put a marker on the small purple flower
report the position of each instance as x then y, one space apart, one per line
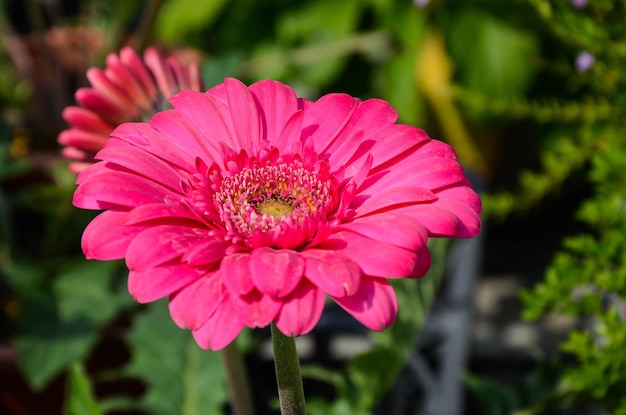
579 4
584 61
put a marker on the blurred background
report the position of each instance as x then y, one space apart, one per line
526 319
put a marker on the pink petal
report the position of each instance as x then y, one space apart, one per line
236 274
192 142
86 140
154 283
256 309
387 199
301 310
374 304
279 103
399 230
370 116
468 220
193 305
94 170
116 188
73 153
434 149
326 118
423 264
437 220
144 136
165 214
276 272
465 204
430 173
160 244
358 173
245 115
112 92
106 237
121 75
388 143
374 257
143 164
86 120
291 132
162 73
208 115
220 329
97 102
205 252
134 63
332 272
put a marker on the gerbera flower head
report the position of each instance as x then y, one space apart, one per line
249 205
128 89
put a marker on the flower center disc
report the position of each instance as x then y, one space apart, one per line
274 199
275 207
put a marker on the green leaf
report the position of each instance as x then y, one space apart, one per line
88 289
372 374
47 343
340 406
323 23
498 60
414 300
528 395
215 69
495 398
180 17
181 378
59 327
398 75
80 399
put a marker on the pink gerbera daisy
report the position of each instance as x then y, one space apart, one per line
128 89
249 205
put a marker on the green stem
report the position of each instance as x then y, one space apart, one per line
147 22
237 381
290 389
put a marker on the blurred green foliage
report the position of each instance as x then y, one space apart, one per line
479 74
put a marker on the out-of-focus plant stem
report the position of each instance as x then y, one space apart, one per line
433 76
368 43
237 380
147 23
56 96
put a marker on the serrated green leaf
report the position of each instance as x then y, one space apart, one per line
80 399
181 378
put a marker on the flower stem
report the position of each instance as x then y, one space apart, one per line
147 22
237 381
290 389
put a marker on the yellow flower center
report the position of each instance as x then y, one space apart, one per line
277 207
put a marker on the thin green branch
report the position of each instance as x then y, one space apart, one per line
368 43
